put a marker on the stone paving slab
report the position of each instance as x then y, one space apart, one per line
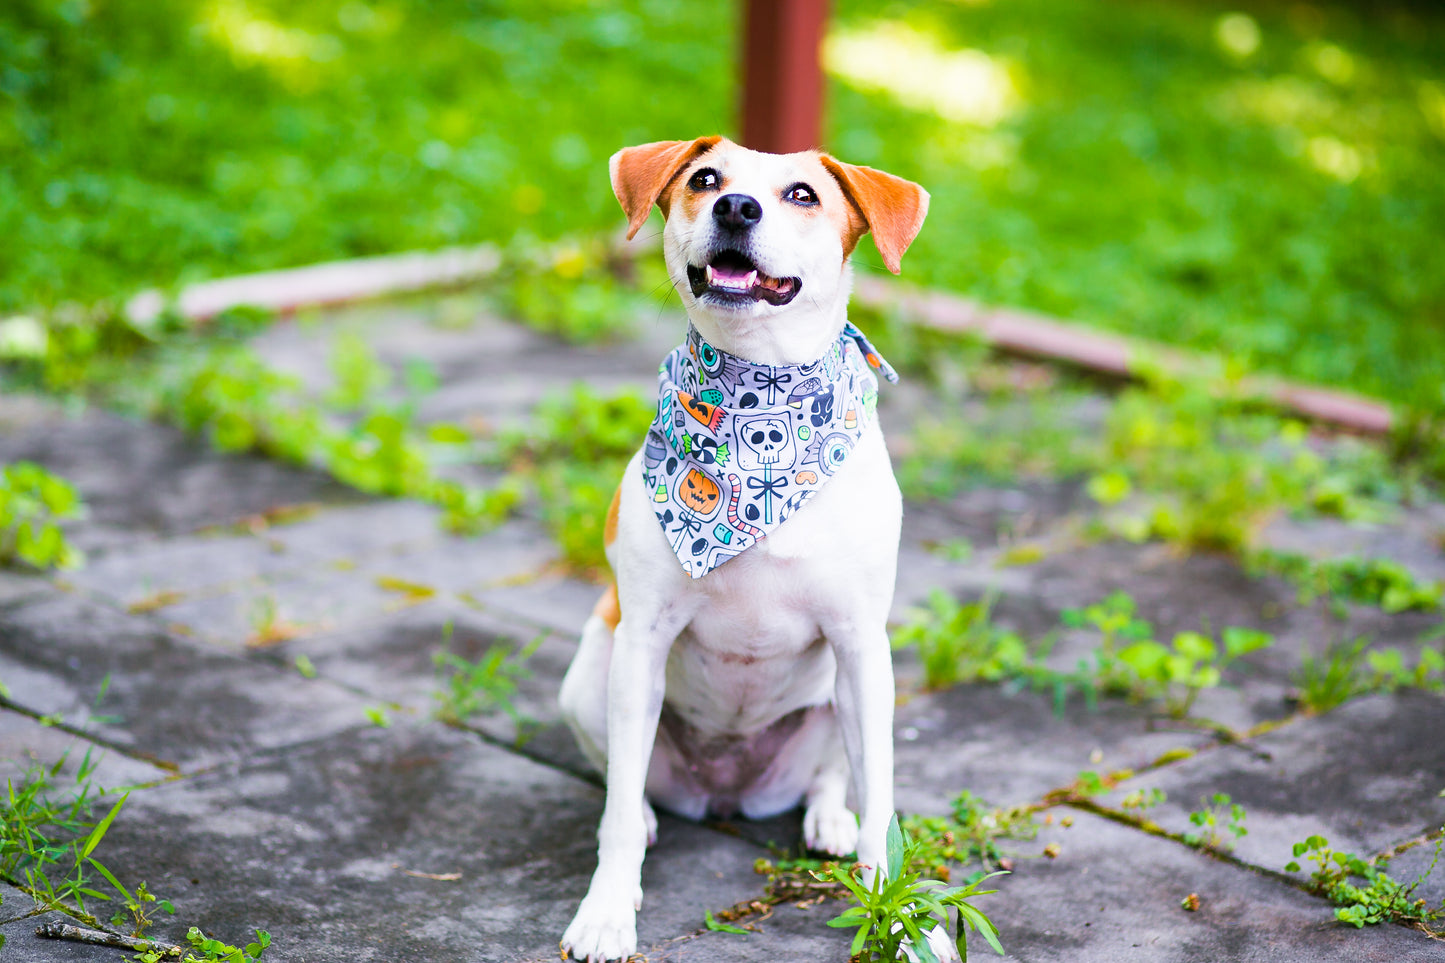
140 478
1366 776
14 904
168 699
25 742
315 846
485 366
1114 895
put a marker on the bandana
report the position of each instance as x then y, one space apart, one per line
736 447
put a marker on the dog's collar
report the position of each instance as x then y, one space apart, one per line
736 447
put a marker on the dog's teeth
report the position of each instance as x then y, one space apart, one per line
750 280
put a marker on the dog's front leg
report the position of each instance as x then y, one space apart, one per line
605 927
864 695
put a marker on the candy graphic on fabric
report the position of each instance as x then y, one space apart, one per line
706 449
785 429
710 415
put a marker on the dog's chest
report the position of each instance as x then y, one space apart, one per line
756 646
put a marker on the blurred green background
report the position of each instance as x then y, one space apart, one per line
1260 179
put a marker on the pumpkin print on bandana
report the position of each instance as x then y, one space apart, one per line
737 447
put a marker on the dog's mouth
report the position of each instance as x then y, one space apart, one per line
731 277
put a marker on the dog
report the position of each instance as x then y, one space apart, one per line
740 660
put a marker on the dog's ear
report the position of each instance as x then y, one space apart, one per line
891 207
641 174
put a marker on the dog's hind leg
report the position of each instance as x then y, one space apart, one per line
583 701
812 768
583 696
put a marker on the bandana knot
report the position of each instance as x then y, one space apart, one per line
736 447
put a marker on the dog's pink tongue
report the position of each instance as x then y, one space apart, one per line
731 277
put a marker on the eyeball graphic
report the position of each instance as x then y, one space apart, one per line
711 361
833 451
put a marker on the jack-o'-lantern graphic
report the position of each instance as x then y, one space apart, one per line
699 494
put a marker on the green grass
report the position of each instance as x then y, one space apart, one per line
1282 206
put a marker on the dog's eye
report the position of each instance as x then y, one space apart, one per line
802 194
705 179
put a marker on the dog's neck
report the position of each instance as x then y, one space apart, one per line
800 335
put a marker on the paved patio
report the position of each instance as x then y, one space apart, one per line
273 800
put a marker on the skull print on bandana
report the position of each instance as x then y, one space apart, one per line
736 447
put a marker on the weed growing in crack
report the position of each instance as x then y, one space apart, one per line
486 685
48 838
32 504
1368 581
894 915
1218 815
957 642
971 832
1381 900
1345 671
209 950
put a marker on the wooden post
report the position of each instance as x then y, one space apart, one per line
783 74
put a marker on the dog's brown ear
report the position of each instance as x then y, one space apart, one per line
641 174
891 207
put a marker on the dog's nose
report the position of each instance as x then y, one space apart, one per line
737 212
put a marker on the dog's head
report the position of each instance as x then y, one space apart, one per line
757 245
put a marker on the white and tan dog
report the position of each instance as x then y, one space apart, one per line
771 675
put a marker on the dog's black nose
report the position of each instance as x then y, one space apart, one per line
737 212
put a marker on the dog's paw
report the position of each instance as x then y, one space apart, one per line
830 829
649 818
605 927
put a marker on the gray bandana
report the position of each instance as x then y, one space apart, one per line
736 447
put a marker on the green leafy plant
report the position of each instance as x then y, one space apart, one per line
958 642
1369 581
1217 816
1381 900
1146 669
972 831
32 503
357 373
575 452
1115 618
899 908
488 684
714 926
49 836
1192 662
210 950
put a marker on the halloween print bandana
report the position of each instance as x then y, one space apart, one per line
736 447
